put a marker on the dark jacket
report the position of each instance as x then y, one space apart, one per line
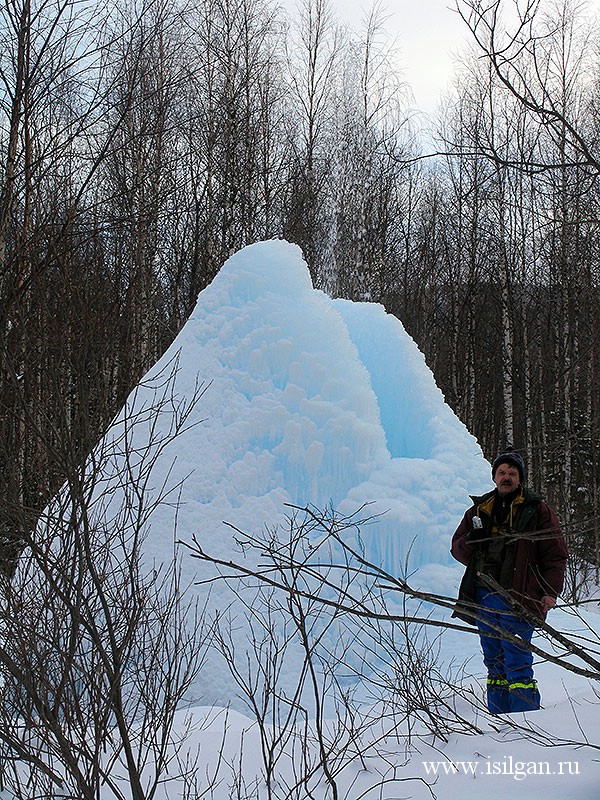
535 548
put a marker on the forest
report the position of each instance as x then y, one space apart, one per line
142 143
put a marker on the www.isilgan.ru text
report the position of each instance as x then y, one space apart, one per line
508 767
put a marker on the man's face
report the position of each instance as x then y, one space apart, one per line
506 478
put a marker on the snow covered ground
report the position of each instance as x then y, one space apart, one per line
314 401
524 757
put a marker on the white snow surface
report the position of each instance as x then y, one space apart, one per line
311 400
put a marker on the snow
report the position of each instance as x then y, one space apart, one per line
315 401
501 762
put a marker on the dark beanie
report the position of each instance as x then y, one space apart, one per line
510 457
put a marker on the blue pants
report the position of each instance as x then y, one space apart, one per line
510 683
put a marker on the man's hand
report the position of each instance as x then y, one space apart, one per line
547 603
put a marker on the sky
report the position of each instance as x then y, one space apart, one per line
430 34
309 400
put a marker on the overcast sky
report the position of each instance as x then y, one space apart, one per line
429 33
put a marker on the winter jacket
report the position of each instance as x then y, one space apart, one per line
535 553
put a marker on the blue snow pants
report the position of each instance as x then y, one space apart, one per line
510 683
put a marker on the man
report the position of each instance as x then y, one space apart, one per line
515 554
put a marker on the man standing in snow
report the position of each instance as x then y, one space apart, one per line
515 557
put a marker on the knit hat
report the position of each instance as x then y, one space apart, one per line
511 457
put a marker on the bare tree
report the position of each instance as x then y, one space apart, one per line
314 56
99 644
510 47
373 145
